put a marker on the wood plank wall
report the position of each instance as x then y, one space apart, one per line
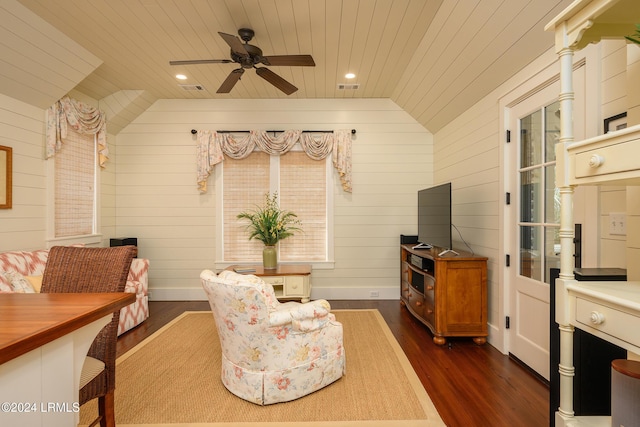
157 199
612 250
467 154
22 128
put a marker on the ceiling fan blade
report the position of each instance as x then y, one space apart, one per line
291 60
230 81
200 61
234 43
276 80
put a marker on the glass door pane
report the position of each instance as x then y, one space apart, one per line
530 252
531 140
539 200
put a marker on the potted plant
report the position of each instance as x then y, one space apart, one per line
633 39
270 224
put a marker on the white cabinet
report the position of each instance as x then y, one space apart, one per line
289 281
290 287
609 310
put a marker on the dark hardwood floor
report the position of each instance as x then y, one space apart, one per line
470 385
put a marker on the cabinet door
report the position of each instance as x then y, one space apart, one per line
294 286
462 286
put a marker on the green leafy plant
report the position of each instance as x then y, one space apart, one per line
270 224
637 34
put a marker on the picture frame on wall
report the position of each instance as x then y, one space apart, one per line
6 176
617 122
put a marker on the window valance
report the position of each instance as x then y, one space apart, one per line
212 146
82 118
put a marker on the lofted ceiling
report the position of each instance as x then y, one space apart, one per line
434 58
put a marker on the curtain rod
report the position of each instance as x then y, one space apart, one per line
194 131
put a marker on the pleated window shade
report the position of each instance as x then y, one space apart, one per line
75 166
301 189
245 183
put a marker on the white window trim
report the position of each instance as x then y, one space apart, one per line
94 238
221 264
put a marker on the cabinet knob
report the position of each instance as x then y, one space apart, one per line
418 303
596 160
430 287
597 318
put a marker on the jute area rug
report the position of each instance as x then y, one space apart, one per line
173 379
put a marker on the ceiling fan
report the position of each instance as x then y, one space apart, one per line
248 56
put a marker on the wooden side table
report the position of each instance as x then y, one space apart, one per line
289 281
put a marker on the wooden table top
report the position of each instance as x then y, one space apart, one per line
281 270
29 321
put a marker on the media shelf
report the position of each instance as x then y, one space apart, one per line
446 293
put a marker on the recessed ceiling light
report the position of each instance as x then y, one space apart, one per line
181 77
349 75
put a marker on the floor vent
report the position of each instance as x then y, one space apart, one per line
192 87
346 86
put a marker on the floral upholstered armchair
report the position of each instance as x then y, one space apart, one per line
271 351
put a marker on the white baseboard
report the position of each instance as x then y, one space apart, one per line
197 294
496 338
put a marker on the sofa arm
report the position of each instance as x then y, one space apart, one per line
139 273
303 317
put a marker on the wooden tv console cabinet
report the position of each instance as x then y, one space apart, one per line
447 293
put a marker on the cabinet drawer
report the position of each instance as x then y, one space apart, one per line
416 301
429 299
607 160
610 321
274 280
404 290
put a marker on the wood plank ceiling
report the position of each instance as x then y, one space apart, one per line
434 58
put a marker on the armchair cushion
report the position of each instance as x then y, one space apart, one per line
272 352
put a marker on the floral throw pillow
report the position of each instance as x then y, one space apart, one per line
18 282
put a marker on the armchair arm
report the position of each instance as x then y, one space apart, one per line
302 317
139 272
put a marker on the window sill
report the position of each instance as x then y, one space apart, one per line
87 240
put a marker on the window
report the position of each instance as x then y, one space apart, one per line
75 186
302 185
539 198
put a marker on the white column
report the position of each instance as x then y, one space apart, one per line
566 368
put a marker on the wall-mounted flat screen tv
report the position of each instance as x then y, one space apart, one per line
434 217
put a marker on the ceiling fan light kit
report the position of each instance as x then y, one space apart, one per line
248 56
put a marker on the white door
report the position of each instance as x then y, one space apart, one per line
535 209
